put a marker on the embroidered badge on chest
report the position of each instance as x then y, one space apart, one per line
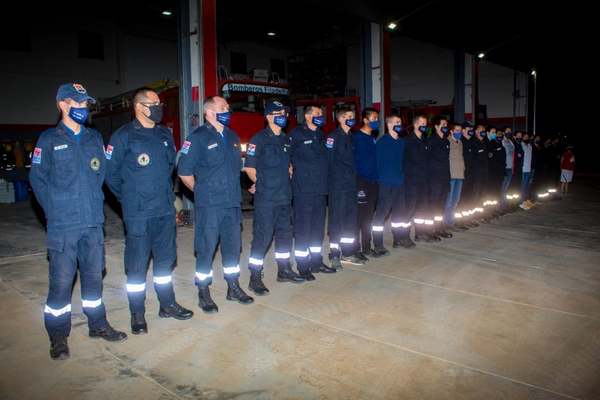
95 164
143 159
251 149
329 143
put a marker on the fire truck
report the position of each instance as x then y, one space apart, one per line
247 99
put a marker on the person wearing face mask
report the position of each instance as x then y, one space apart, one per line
496 166
518 169
439 173
509 149
268 166
527 168
452 219
467 203
342 191
390 166
67 173
209 165
365 158
140 161
539 184
308 158
416 156
480 173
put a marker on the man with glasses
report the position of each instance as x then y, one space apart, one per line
140 162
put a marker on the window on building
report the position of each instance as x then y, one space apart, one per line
90 45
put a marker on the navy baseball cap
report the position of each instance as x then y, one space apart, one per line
274 106
73 91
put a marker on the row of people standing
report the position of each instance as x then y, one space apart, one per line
300 179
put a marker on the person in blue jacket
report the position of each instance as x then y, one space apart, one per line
67 173
390 172
140 162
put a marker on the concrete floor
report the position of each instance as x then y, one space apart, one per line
509 310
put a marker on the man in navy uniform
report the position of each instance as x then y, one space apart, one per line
343 219
416 157
268 166
439 173
309 189
140 162
67 174
210 165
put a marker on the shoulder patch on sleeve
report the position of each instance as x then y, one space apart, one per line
108 152
186 147
37 156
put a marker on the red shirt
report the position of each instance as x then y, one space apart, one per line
567 161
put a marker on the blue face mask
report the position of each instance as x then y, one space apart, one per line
318 121
280 121
350 123
224 118
79 114
374 125
445 130
423 129
492 136
398 128
471 132
457 135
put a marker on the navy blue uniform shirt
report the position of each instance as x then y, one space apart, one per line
215 160
140 163
416 157
309 160
439 157
268 153
390 160
365 156
340 154
67 176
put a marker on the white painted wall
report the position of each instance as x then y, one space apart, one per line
422 71
257 56
30 80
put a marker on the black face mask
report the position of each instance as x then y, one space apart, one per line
156 113
518 140
526 141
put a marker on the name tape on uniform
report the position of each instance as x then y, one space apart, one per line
307 141
212 146
61 147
